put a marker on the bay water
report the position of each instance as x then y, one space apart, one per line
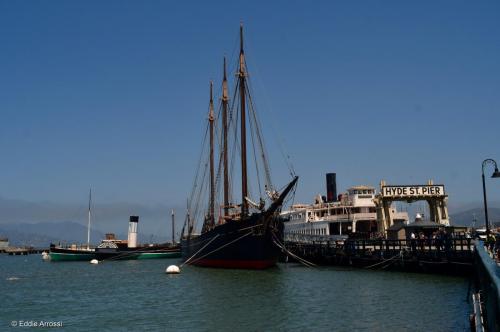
140 296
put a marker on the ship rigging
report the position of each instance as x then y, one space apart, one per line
226 223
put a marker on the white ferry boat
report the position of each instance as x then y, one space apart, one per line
352 213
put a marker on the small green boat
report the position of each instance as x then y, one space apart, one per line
57 254
114 249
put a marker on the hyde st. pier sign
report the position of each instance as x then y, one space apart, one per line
413 191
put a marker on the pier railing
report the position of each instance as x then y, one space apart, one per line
449 255
487 274
449 244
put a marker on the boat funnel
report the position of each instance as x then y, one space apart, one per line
331 187
132 231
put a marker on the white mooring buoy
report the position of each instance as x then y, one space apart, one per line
173 269
45 256
94 261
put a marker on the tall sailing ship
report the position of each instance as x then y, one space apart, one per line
246 235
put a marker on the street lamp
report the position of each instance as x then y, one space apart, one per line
496 174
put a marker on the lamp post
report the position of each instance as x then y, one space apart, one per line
496 174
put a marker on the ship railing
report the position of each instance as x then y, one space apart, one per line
461 244
318 239
74 246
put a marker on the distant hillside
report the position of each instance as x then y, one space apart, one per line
22 239
43 233
465 218
154 219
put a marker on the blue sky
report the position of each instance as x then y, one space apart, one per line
114 94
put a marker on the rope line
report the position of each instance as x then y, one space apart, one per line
215 250
196 253
300 259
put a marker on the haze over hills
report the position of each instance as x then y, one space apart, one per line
466 218
67 232
43 233
40 223
108 217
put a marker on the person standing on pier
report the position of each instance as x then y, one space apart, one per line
497 249
490 242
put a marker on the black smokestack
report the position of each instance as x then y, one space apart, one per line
331 187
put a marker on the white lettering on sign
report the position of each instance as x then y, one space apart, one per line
412 191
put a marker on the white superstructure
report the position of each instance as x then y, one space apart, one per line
353 212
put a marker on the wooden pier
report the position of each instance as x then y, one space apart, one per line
23 251
450 256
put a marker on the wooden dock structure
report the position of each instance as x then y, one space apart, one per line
14 251
451 256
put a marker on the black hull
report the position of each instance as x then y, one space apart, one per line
246 244
250 243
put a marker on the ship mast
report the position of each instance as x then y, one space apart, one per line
242 80
88 225
225 100
211 119
173 227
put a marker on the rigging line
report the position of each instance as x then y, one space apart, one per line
196 214
384 261
219 175
258 126
220 159
279 138
299 259
255 155
222 247
234 118
196 253
282 246
250 227
202 152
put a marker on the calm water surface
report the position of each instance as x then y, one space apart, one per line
139 296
